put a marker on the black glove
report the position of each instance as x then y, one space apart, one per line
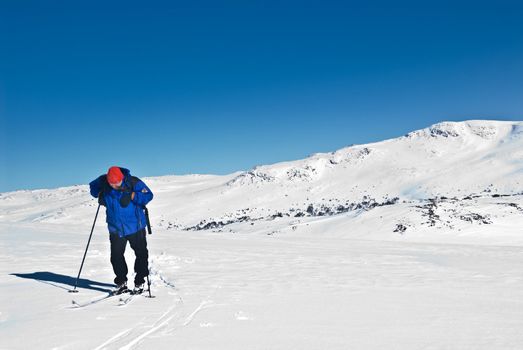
125 199
101 199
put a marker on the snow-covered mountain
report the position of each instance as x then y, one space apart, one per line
409 243
451 163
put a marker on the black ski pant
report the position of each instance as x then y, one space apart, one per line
138 243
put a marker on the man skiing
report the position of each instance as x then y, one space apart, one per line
124 197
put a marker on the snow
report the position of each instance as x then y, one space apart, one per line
408 243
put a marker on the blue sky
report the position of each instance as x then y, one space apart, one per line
219 86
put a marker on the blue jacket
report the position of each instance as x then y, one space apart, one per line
123 220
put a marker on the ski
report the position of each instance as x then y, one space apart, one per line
126 300
109 295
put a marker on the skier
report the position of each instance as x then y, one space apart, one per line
124 197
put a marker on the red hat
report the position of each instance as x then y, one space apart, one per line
114 175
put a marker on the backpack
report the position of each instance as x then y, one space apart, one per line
134 181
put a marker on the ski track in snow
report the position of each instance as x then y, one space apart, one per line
162 321
170 316
113 339
133 336
203 305
174 315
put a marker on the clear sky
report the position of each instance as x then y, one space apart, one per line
180 87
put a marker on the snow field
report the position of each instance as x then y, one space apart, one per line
410 243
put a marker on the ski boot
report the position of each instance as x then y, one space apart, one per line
138 288
121 288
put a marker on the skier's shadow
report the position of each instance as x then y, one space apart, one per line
57 280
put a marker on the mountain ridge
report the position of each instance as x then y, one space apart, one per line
452 160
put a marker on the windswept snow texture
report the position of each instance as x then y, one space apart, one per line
409 243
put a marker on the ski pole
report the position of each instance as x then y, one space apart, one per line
86 248
147 220
149 287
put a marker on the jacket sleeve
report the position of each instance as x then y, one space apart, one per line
96 186
142 194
